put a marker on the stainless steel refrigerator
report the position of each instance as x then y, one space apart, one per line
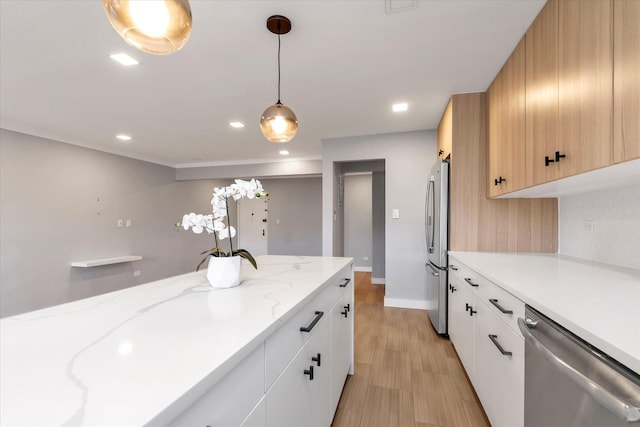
437 239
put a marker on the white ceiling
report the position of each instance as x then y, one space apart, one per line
343 64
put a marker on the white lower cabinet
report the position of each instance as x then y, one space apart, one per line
295 377
485 335
341 344
300 396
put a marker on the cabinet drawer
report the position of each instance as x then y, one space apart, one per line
504 305
282 346
229 401
470 278
499 378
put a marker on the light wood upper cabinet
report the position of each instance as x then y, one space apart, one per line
626 80
541 78
445 129
507 126
585 91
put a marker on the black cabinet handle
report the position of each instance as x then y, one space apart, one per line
494 340
309 372
472 311
499 307
466 306
319 314
346 282
440 153
317 359
560 156
452 288
547 160
345 313
468 280
348 307
453 267
500 180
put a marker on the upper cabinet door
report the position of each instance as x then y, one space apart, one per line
445 133
507 126
585 72
542 95
626 80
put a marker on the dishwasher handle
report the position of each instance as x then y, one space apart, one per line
625 410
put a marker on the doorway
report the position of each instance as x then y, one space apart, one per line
253 225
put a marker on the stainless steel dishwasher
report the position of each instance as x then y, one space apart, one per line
570 383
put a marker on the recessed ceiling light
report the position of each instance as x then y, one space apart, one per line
400 107
124 59
236 124
284 152
123 137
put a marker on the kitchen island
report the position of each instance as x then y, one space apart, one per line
146 354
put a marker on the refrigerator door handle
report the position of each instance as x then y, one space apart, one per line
430 208
433 270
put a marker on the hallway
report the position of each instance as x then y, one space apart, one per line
405 374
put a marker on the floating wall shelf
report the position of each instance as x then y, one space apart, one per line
106 261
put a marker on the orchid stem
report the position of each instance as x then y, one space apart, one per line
226 201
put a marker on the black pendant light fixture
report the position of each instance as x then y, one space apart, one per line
160 27
278 122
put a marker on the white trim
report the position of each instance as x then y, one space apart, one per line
377 281
363 269
357 173
406 303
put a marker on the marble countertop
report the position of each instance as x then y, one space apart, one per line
598 302
135 356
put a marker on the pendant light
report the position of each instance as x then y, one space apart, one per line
159 27
278 123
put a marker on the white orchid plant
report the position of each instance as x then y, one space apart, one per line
214 223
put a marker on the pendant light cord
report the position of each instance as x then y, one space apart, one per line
279 67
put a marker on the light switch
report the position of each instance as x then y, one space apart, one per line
395 213
120 223
128 223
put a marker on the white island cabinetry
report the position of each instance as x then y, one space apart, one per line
178 352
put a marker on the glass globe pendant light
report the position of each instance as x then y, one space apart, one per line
278 122
159 27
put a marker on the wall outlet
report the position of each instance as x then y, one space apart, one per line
588 225
365 258
120 223
136 273
128 223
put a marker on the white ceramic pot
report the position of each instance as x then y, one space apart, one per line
224 272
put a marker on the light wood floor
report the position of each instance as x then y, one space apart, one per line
405 374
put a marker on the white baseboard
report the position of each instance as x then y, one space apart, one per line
364 269
377 281
406 303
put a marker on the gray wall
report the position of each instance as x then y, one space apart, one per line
357 219
377 227
408 157
273 169
296 203
615 215
60 203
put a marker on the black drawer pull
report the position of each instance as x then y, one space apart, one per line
547 161
319 314
468 280
472 311
494 340
317 359
345 313
346 282
466 306
452 288
454 268
559 156
348 307
499 307
309 372
499 181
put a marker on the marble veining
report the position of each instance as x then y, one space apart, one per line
132 357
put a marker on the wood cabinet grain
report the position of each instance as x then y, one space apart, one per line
476 222
626 80
507 128
541 84
585 85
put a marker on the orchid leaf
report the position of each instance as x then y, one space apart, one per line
201 262
246 255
